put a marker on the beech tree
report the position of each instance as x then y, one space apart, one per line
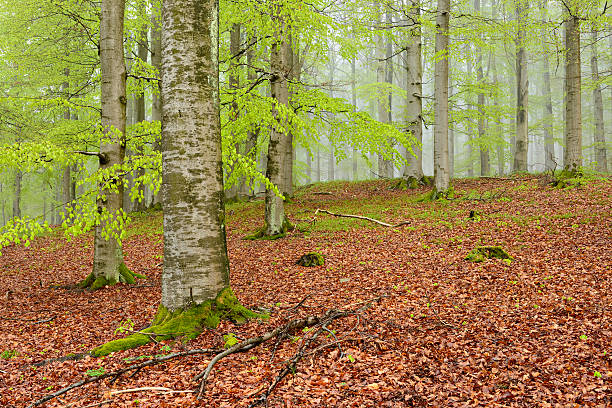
572 158
522 90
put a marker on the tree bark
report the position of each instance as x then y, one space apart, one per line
234 85
139 117
288 159
250 148
547 114
469 128
196 266
156 108
485 166
17 194
522 91
108 256
441 173
275 210
354 100
573 108
599 137
414 92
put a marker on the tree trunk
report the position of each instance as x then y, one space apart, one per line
354 100
470 108
288 159
140 116
573 110
250 149
196 267
318 164
156 105
17 194
485 166
441 173
108 256
383 108
599 137
331 162
414 92
522 91
234 85
275 210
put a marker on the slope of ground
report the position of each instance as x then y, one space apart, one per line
533 331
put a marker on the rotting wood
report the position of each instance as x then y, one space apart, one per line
360 217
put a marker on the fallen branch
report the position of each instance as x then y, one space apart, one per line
116 374
163 390
360 217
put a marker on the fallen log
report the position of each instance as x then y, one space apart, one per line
360 217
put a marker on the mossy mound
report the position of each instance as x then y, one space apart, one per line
435 195
260 233
569 178
479 254
311 259
186 324
91 282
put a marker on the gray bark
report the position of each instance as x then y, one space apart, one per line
196 266
414 92
289 151
140 116
354 100
573 110
108 255
156 108
17 194
485 166
250 149
441 170
522 91
234 85
599 137
275 210
470 107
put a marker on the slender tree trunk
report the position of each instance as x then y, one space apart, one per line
451 128
573 109
17 194
234 85
599 137
441 171
470 107
332 161
318 164
156 108
275 211
140 116
381 77
414 92
354 100
547 112
522 91
485 166
250 149
196 266
108 256
289 151
3 204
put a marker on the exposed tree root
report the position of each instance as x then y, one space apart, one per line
92 282
360 217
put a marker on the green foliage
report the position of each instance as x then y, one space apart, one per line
230 340
8 354
481 253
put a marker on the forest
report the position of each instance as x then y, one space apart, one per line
386 203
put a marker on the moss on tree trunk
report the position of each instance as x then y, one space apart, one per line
93 282
186 324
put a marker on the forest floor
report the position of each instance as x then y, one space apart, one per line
533 331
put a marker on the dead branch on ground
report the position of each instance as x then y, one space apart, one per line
360 217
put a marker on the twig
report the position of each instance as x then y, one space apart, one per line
116 374
95 404
163 390
360 217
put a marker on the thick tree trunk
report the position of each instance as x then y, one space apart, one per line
414 92
522 91
573 108
441 173
275 210
196 267
156 108
108 256
17 194
599 137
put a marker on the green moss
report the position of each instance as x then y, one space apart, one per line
479 254
260 233
185 324
99 283
85 283
311 259
125 275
